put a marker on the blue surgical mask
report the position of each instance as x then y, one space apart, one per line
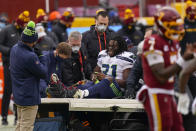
2 25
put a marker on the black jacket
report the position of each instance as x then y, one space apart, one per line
134 35
53 36
90 43
72 73
9 36
135 74
190 34
45 43
61 32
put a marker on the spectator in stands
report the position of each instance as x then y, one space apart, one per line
114 17
189 25
97 38
42 18
54 61
26 69
75 68
128 28
3 20
9 37
44 43
60 29
54 17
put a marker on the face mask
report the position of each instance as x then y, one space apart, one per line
75 49
2 25
101 28
175 37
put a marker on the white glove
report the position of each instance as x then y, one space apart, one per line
183 103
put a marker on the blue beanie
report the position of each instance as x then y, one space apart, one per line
29 34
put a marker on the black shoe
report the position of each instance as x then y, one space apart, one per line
4 122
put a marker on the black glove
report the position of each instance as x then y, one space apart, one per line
130 93
37 51
56 88
55 92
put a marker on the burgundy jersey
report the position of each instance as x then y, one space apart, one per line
158 50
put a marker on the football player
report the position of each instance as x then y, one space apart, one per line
111 72
158 60
110 75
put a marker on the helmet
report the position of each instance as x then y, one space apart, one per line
169 23
191 12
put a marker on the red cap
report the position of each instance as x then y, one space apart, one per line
67 16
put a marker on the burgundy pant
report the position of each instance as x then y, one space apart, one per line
162 113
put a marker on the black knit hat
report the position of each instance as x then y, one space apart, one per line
29 34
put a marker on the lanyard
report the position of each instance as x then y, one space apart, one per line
80 59
100 40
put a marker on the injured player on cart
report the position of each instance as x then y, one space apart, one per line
113 67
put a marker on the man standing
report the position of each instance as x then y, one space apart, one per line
158 58
97 38
42 18
9 37
60 29
26 69
75 68
129 30
189 38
